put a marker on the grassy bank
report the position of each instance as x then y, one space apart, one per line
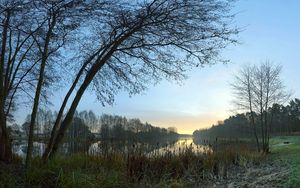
186 169
286 149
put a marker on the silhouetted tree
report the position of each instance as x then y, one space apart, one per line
121 44
256 90
243 87
60 19
149 40
294 113
17 61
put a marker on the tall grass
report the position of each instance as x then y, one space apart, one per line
181 168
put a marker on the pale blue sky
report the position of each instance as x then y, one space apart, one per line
271 31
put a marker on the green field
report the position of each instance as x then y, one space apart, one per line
286 149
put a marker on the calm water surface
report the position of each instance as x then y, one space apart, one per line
99 147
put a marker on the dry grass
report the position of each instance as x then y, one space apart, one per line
136 169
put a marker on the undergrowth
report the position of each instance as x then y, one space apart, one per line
182 169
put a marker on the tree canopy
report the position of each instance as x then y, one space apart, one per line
105 46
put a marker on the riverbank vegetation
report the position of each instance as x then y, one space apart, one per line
233 163
184 168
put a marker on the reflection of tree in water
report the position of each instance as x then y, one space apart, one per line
69 147
113 139
129 146
111 146
20 148
77 140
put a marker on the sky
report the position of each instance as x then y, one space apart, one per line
270 31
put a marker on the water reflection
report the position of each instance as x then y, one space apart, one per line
20 148
106 147
180 146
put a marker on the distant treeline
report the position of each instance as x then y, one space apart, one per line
117 127
86 124
284 119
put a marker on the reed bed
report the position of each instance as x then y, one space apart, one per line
185 166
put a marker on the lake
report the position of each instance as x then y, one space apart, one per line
101 147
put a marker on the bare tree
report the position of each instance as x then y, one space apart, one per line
121 45
17 62
268 90
257 89
139 43
61 19
244 99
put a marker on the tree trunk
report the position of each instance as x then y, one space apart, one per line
38 92
99 62
69 116
262 120
251 109
5 145
61 110
254 130
34 114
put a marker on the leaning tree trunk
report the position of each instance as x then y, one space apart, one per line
70 114
99 62
61 110
69 117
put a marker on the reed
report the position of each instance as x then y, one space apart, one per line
172 168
